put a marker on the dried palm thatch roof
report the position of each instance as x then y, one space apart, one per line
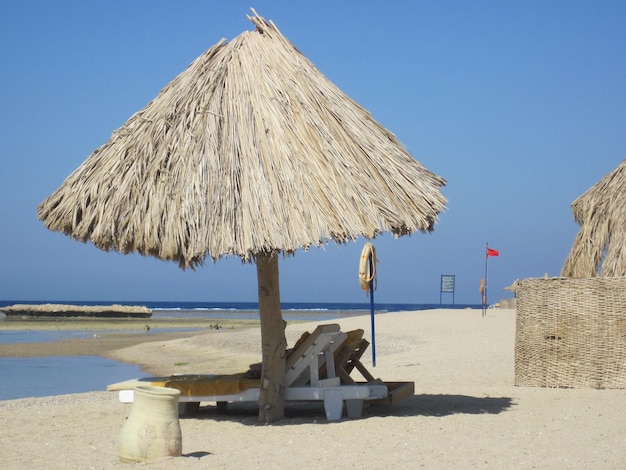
249 150
598 249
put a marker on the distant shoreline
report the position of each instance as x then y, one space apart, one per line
119 324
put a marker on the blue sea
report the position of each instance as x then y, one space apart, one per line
45 376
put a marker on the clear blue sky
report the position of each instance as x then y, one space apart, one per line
521 106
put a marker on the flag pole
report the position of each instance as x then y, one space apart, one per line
486 279
488 252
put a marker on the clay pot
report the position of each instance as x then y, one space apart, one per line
152 430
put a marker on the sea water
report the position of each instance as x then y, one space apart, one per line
25 377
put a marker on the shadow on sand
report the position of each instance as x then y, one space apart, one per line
416 405
444 405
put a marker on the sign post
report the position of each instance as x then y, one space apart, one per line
447 286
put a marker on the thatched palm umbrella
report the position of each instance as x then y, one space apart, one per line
599 247
250 152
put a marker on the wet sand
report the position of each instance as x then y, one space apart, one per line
106 336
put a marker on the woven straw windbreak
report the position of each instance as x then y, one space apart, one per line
571 333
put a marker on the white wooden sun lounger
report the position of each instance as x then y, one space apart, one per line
302 380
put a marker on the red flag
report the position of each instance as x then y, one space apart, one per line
491 252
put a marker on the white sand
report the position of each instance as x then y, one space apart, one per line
465 413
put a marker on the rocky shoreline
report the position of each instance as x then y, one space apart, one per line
21 311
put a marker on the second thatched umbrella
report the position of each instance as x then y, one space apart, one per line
598 249
250 152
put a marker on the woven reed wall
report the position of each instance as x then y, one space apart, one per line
571 333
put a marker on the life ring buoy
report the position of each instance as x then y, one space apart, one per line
365 274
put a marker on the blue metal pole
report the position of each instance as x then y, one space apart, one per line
372 311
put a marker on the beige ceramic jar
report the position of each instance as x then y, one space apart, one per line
152 430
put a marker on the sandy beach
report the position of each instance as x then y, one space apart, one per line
465 413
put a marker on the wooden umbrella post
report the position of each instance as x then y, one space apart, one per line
274 344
